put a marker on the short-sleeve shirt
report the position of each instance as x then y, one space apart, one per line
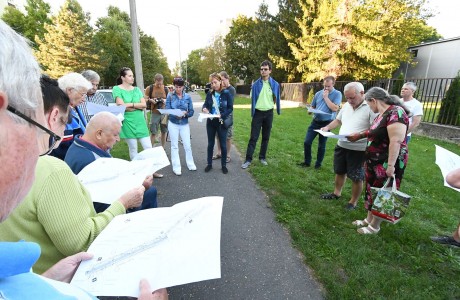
134 125
416 108
265 101
318 102
355 120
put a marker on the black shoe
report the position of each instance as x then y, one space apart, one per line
208 168
350 206
445 240
303 165
317 167
224 170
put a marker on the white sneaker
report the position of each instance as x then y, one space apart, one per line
246 165
192 168
264 162
178 172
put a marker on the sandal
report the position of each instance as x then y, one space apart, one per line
157 175
329 196
368 230
228 159
360 223
217 156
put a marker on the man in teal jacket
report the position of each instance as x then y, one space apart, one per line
265 93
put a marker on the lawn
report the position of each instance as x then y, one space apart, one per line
400 262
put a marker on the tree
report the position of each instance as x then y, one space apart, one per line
194 65
153 60
31 25
213 58
356 39
67 45
449 114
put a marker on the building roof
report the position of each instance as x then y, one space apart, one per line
435 42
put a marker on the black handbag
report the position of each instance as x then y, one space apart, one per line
228 121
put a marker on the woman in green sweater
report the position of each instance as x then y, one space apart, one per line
58 212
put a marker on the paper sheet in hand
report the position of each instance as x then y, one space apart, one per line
203 116
107 179
167 246
316 111
116 110
447 161
331 134
175 112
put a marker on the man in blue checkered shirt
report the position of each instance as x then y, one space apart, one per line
93 95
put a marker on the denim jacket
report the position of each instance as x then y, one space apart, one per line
184 104
225 106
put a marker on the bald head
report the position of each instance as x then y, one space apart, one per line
103 130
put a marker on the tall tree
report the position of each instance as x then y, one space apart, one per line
194 65
356 39
32 24
213 58
153 60
66 46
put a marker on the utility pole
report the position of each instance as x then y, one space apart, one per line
136 46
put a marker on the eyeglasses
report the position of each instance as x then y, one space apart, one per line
82 94
54 138
264 69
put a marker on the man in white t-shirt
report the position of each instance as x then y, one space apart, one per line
355 116
415 107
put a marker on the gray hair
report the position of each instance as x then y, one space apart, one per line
157 76
380 94
357 86
224 74
411 85
74 81
91 75
20 73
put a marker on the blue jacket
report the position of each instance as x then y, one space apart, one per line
184 104
257 87
75 127
81 153
225 105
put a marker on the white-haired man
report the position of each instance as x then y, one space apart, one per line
414 106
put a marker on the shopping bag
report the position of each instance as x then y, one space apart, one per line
389 203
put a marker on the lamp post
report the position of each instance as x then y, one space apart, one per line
180 59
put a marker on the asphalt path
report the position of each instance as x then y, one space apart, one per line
257 258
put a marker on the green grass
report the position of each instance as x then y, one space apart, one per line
400 262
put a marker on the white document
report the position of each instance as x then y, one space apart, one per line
447 161
118 111
331 134
317 111
204 116
107 179
175 112
167 246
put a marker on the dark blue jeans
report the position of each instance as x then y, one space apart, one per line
261 120
311 135
212 127
149 201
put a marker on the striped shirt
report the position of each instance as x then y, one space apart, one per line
96 98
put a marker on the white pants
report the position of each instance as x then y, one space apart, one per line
184 132
132 145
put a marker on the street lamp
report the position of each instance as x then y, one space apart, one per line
180 59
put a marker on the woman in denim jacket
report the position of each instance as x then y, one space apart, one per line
178 99
218 102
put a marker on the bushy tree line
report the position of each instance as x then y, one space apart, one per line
309 39
66 42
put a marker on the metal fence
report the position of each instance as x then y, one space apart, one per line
430 93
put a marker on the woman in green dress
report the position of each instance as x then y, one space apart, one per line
134 125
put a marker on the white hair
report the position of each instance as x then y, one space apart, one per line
357 86
74 81
20 72
91 75
411 85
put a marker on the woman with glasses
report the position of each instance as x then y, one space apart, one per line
386 152
75 86
134 125
178 126
218 102
58 212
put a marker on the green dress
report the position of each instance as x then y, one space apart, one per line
134 125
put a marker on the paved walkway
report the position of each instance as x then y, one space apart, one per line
257 259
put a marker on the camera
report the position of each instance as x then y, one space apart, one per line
158 100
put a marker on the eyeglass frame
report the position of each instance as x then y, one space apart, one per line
53 135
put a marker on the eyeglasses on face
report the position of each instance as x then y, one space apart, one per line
54 138
81 94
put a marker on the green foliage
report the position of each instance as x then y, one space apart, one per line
32 24
311 95
354 39
449 114
153 60
397 85
67 45
194 64
400 262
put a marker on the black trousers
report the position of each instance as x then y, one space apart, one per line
261 120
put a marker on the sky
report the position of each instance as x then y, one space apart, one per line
200 20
